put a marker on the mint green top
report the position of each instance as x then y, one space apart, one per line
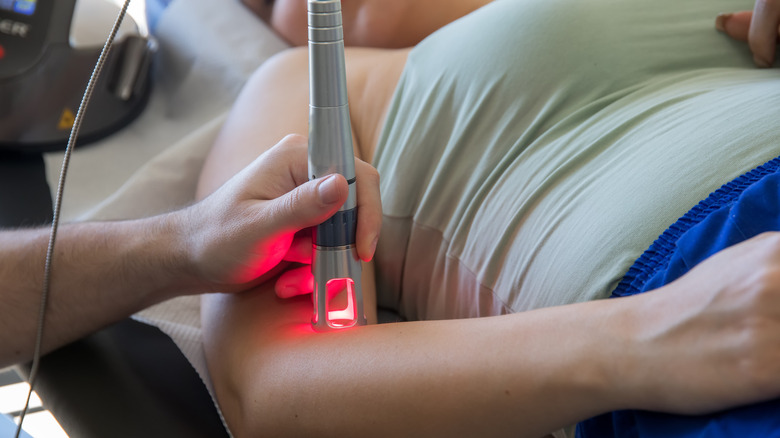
535 148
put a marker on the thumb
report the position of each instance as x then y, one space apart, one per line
310 203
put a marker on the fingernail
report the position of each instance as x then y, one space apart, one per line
761 62
372 249
720 21
328 190
373 246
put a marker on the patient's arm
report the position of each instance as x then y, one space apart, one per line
703 343
516 375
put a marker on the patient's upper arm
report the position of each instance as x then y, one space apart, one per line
274 103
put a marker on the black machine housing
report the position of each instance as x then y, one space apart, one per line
43 77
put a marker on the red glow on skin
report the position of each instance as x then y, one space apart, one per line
266 256
301 330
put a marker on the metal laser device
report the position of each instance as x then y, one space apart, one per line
338 298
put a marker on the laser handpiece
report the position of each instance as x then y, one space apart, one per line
338 298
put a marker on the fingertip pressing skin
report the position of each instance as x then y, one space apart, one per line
759 28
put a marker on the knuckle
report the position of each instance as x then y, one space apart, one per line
283 209
766 279
292 200
291 146
290 140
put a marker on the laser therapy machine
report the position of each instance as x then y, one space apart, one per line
47 50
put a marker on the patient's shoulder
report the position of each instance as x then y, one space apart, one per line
281 87
290 68
278 88
293 57
288 65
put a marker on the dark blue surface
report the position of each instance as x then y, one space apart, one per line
741 209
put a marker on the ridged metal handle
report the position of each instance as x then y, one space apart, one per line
335 262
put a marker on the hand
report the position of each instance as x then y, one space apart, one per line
239 235
759 27
711 339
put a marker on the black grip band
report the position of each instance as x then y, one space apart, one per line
339 230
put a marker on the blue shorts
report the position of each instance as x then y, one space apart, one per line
741 209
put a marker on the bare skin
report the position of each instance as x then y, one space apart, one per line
372 76
368 23
513 375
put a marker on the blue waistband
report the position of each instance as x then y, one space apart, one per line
657 256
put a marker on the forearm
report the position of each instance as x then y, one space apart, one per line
101 272
518 375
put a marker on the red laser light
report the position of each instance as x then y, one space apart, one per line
340 308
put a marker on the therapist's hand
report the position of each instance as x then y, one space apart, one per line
300 280
239 235
759 27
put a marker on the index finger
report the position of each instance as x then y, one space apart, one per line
762 37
